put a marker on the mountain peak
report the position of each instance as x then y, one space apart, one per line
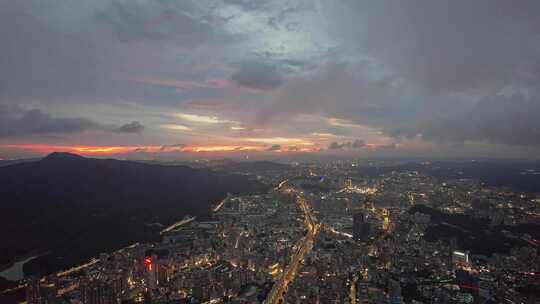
62 156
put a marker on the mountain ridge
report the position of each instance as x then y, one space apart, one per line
75 207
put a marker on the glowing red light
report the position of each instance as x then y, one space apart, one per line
148 261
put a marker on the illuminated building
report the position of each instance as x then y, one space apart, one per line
33 294
460 259
348 183
97 292
151 274
386 220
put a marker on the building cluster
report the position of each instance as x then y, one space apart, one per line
399 237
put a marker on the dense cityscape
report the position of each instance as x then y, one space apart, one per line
269 152
322 234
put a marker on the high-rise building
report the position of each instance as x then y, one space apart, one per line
95 291
460 259
360 227
394 291
33 292
348 183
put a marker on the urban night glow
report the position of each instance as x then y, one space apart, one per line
269 152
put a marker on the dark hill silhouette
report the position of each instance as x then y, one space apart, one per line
76 207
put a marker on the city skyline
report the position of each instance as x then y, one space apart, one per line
233 78
345 231
269 151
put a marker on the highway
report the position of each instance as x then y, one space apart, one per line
279 289
64 273
219 205
184 221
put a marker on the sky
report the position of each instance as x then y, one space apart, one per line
170 79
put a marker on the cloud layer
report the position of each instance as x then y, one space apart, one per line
132 127
257 75
17 122
411 77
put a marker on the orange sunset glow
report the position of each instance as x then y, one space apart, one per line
119 150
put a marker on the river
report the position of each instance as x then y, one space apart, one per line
15 272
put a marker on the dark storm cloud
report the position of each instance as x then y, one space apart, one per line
50 61
356 144
337 90
420 67
274 148
132 127
257 75
337 146
172 148
17 122
511 120
449 45
449 71
438 118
